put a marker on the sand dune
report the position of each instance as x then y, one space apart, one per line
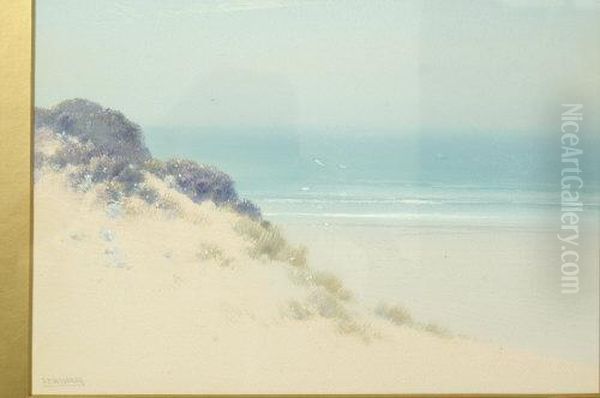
131 298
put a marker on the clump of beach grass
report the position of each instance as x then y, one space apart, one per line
396 314
321 303
267 241
354 327
297 310
332 284
435 329
211 252
400 316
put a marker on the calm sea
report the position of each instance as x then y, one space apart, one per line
419 178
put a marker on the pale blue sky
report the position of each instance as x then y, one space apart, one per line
375 66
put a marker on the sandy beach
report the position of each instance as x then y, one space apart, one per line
145 301
492 283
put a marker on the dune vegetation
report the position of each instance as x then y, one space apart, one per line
99 150
100 145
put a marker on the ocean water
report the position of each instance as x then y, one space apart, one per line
430 178
482 209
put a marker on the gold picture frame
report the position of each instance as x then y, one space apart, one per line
16 104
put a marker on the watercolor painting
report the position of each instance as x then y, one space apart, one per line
280 196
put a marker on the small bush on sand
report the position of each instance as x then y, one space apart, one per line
148 194
297 256
327 305
72 152
354 327
332 284
112 192
435 329
248 208
298 311
130 176
108 130
210 252
105 169
170 205
400 316
395 314
200 182
268 241
155 166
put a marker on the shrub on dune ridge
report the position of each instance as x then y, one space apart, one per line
72 152
197 181
109 130
105 147
200 182
101 143
244 206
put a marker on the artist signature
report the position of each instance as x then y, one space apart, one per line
65 381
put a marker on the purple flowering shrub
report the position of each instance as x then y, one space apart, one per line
104 146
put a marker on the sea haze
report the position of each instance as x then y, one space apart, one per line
384 178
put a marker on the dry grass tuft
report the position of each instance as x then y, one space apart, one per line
267 241
332 284
400 316
210 252
435 329
396 314
298 311
353 327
